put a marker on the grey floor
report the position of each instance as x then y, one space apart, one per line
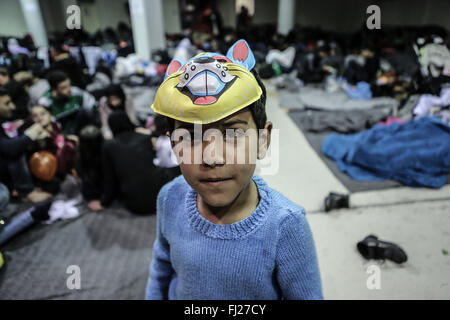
418 219
113 248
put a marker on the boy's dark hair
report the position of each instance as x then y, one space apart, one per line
257 108
161 125
55 78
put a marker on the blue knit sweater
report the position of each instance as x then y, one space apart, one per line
268 255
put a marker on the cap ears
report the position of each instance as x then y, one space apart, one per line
174 66
240 53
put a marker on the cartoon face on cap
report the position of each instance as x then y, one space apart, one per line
208 87
204 79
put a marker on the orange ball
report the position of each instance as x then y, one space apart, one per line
43 165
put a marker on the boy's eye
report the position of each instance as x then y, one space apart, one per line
234 133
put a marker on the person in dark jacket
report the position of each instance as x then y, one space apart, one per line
88 166
17 92
128 168
64 62
14 171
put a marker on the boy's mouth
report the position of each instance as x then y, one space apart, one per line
214 181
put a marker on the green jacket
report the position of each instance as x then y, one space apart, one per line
65 113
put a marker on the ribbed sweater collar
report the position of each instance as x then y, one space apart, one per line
230 231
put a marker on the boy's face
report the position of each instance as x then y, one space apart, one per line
217 182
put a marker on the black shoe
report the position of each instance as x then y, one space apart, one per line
40 211
336 201
373 248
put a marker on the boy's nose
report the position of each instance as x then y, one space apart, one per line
213 155
213 161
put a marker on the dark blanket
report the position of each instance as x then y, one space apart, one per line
416 153
339 121
316 139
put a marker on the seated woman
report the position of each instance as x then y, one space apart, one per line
63 149
114 100
54 142
129 171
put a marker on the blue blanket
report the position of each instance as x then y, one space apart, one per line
416 153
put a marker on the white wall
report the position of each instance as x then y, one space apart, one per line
350 15
52 11
172 19
111 12
227 9
342 15
416 12
12 22
266 11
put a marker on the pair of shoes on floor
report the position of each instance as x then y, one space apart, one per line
373 248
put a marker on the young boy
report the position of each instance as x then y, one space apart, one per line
222 232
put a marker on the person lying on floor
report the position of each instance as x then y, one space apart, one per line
129 170
20 221
14 170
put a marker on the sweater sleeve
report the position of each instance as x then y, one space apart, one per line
296 260
161 269
15 147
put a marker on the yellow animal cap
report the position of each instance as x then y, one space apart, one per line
209 87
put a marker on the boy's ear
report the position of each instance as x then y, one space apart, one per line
264 137
240 53
174 66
